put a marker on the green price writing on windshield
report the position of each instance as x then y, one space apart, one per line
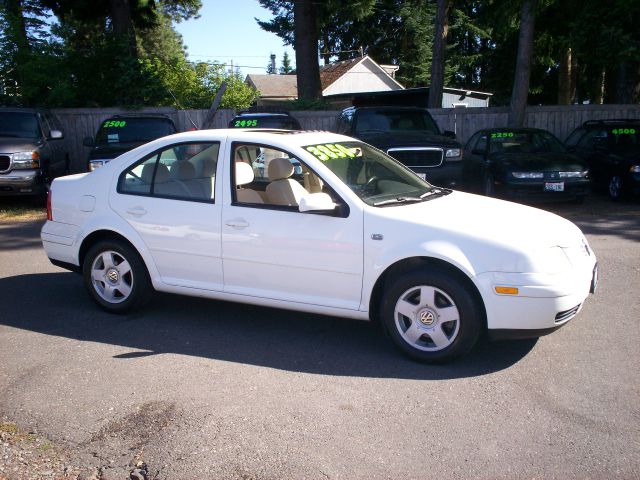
332 150
624 131
245 123
502 135
114 124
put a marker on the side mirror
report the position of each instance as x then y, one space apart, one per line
477 151
88 141
316 202
449 133
55 134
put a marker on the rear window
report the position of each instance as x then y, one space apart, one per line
133 130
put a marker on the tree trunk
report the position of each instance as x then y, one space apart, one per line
564 78
520 91
598 97
439 46
122 24
306 45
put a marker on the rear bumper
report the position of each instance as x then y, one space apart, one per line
22 182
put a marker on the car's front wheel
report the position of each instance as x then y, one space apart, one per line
116 276
616 188
431 315
489 188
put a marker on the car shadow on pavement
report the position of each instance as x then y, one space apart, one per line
20 235
57 304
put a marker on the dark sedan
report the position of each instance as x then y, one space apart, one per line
612 150
523 162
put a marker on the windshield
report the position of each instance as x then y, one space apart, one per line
265 122
19 125
395 121
133 130
372 175
524 142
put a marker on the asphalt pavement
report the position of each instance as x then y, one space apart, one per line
207 389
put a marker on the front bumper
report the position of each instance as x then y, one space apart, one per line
448 175
539 189
22 182
543 304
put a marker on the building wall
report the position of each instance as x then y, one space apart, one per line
449 99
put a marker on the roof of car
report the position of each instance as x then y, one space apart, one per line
264 114
255 135
20 109
142 115
519 129
611 121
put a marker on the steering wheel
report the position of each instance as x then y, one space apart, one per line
371 185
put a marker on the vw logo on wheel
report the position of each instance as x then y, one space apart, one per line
113 276
427 318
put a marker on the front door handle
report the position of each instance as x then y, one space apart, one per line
137 211
238 223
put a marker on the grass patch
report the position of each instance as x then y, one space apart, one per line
11 428
21 211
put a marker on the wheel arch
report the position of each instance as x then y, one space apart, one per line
98 236
415 263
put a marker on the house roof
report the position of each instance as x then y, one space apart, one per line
329 74
274 86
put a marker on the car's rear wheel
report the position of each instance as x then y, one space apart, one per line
116 276
431 315
616 188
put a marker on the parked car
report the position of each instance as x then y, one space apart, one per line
32 151
359 236
411 136
612 150
121 133
265 120
523 163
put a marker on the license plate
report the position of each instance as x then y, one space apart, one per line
594 280
423 176
554 187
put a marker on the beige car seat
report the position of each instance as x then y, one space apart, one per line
244 176
283 190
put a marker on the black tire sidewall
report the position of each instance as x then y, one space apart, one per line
471 323
141 289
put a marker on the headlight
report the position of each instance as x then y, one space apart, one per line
22 160
635 169
453 153
573 174
528 174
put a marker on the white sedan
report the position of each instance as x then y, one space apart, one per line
351 233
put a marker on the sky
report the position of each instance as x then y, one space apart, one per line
226 32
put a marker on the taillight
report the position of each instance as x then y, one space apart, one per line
49 211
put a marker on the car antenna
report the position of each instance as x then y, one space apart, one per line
195 127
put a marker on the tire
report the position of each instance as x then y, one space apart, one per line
488 187
615 188
116 277
431 315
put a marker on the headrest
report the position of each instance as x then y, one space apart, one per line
162 173
183 171
244 173
208 167
280 168
147 172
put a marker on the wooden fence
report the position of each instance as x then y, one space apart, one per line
78 123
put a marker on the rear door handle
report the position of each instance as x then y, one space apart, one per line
238 223
137 211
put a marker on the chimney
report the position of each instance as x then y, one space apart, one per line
273 63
